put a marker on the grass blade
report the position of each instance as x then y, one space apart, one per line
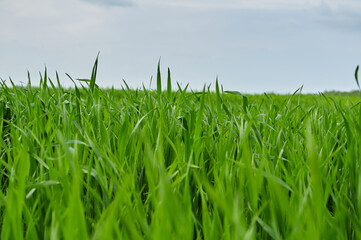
159 81
169 85
356 76
94 74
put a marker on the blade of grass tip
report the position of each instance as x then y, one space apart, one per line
150 82
45 77
301 88
94 74
298 90
186 87
12 83
60 88
217 88
268 97
29 81
209 87
245 103
41 79
234 92
179 88
69 78
356 76
219 99
83 80
52 84
57 80
126 85
169 85
159 81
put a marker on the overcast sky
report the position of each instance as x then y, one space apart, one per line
253 46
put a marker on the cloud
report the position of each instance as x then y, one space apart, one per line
118 3
257 4
241 4
344 17
45 23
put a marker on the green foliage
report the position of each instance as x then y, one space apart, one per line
87 163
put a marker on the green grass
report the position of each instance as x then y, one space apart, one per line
139 164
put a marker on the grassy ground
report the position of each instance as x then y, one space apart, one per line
138 164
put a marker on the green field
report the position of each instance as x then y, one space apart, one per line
140 164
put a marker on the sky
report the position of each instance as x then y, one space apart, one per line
252 46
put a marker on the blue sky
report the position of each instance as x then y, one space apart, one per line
253 46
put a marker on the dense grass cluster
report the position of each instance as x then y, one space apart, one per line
138 164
